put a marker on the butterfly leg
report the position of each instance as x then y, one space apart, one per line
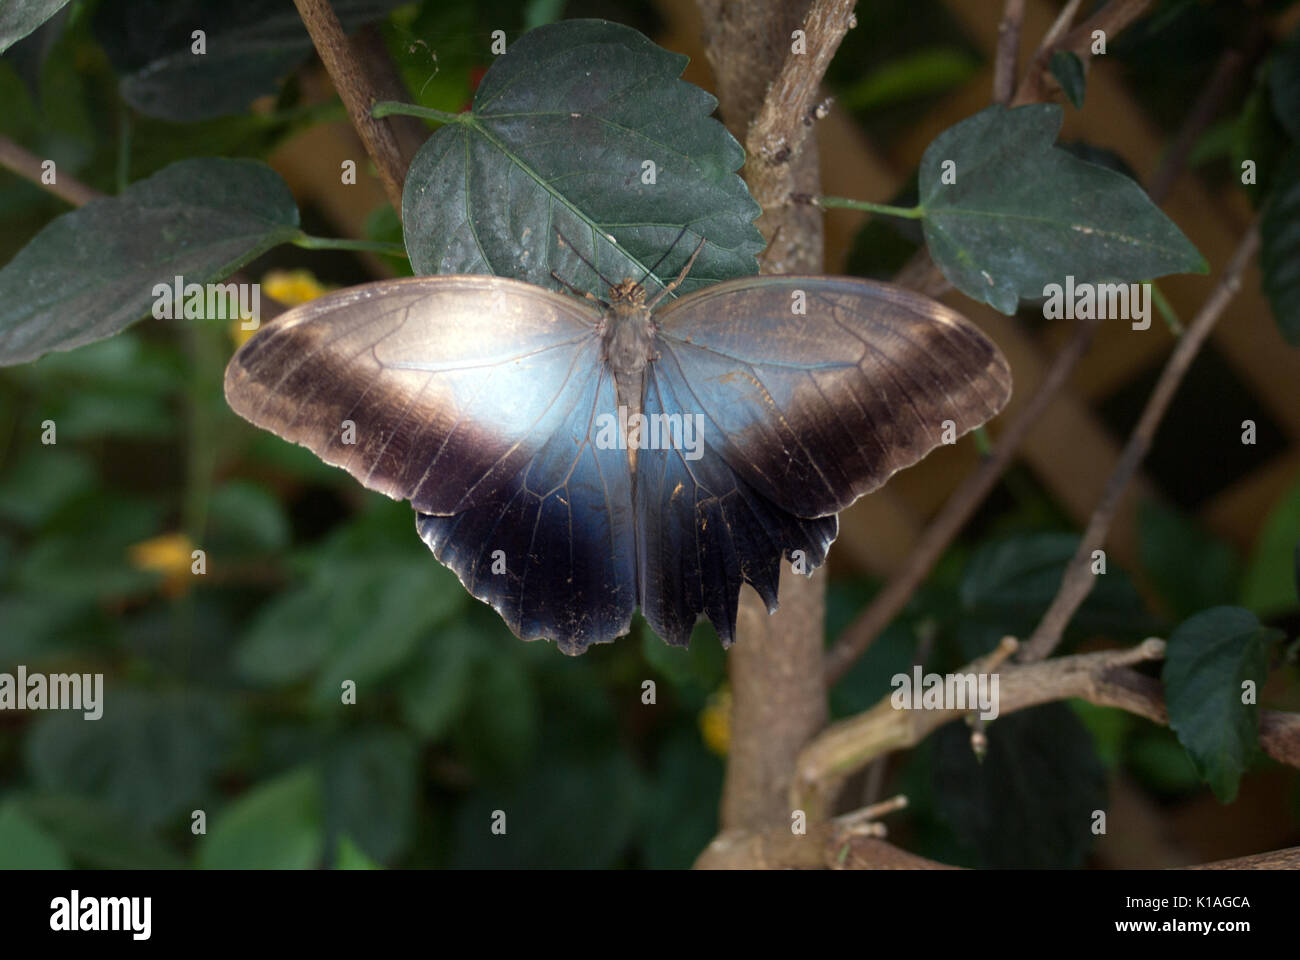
581 293
680 277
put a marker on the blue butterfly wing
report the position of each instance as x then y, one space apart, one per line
815 409
802 413
703 531
472 397
554 554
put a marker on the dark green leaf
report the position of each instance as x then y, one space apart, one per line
1009 583
914 75
1209 659
245 515
558 139
501 725
1279 253
348 856
1284 79
42 481
148 757
1067 68
435 689
1269 586
1023 214
681 808
359 613
24 845
1192 568
250 46
20 17
370 791
567 814
277 825
91 273
95 837
1030 803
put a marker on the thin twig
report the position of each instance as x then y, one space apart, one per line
1004 67
27 165
1110 20
354 85
891 600
1078 580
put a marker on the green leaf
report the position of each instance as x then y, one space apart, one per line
558 139
348 856
1010 581
1067 68
42 481
245 515
1030 803
681 805
435 689
1023 214
370 787
1279 253
1209 658
18 18
24 845
358 615
1270 586
149 756
91 273
1284 79
277 825
95 837
566 814
501 725
249 47
1190 567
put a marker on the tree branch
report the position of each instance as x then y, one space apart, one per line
956 511
1110 20
766 95
358 92
1078 580
27 165
1004 67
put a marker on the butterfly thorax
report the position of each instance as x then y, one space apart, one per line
629 347
629 331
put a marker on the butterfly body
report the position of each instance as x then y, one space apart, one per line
741 427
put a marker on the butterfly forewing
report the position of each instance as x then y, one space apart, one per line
436 390
817 389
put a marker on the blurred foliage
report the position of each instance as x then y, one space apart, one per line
227 690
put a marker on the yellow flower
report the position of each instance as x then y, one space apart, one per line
239 332
292 287
715 721
170 555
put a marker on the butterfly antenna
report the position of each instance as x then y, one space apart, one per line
564 242
679 236
680 277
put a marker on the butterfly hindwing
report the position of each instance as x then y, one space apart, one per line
702 529
435 390
553 553
817 389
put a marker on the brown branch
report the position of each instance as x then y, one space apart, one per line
766 94
354 85
1110 19
1101 678
1204 110
1078 580
1004 67
28 165
956 511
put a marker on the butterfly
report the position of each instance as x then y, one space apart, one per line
572 459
